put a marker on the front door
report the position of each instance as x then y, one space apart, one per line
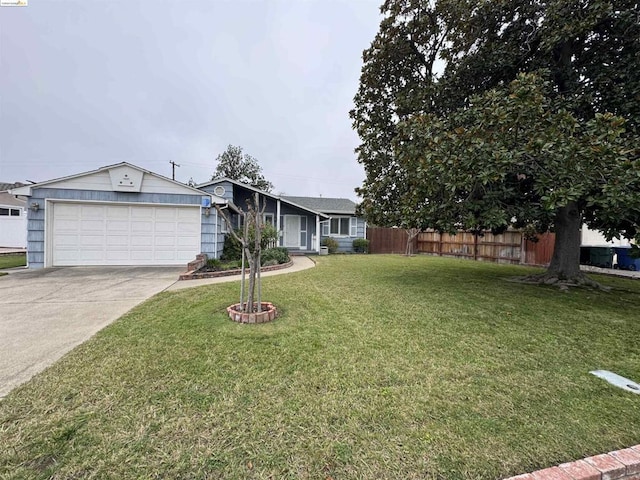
292 231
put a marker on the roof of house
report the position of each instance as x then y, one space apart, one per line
6 199
289 200
26 189
4 186
326 204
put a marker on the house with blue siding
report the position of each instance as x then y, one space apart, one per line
122 214
302 222
343 224
119 215
298 226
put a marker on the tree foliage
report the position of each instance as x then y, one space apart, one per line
244 168
480 143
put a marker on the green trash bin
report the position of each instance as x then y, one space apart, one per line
585 255
601 257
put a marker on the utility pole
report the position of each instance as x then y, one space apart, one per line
173 169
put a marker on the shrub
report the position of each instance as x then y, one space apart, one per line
277 254
232 249
214 263
361 245
330 243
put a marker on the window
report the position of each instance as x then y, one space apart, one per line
341 227
5 212
268 218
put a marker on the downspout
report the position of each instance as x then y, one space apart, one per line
215 236
318 234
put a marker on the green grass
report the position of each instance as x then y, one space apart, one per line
13 260
379 367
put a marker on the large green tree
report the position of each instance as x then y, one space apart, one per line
449 143
233 164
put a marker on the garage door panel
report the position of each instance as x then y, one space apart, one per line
163 214
141 226
166 227
105 234
89 255
117 240
92 211
91 240
118 225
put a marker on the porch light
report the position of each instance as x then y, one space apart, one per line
35 206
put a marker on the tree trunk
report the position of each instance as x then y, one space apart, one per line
252 283
565 262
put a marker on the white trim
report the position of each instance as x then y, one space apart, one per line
318 234
325 228
353 227
109 202
342 234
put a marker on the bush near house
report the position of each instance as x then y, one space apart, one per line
361 245
275 256
330 243
232 250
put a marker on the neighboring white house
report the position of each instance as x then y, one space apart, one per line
593 238
13 221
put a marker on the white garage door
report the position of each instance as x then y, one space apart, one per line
104 234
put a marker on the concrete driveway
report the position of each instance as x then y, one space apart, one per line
45 313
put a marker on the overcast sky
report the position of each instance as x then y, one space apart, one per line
89 83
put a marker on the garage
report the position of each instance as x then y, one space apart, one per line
119 215
113 234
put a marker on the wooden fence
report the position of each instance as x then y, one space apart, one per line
508 247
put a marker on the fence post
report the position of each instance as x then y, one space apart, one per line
475 246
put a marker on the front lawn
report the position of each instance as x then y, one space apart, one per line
379 367
13 260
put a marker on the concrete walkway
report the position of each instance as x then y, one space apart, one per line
10 250
614 272
299 263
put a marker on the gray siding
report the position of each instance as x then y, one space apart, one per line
228 190
36 220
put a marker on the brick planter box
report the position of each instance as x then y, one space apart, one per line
618 465
267 314
195 275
